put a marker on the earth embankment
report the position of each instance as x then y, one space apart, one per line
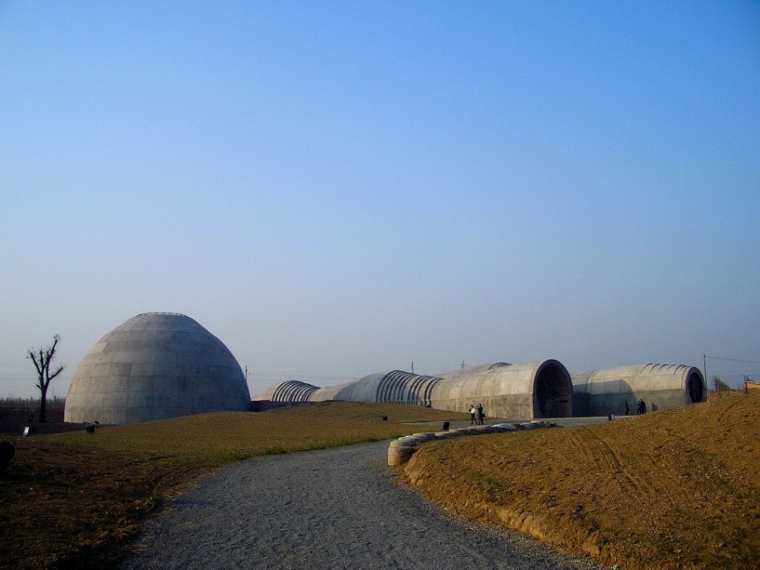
672 489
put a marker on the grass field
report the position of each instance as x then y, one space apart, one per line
73 500
678 488
672 489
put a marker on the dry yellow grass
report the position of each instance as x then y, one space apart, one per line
74 500
679 488
672 489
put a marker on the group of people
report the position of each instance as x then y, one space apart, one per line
641 407
476 414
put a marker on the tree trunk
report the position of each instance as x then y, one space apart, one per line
43 405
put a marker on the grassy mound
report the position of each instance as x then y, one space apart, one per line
73 500
672 489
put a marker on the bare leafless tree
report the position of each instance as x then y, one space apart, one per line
42 359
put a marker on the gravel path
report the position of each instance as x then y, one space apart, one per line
331 509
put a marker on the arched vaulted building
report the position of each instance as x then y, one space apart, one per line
660 386
530 390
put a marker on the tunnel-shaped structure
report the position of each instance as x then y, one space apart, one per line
520 391
660 386
394 386
293 391
155 366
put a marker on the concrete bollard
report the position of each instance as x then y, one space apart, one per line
399 451
402 449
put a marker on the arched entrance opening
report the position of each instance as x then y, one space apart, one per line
695 388
554 391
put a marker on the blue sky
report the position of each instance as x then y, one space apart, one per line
339 188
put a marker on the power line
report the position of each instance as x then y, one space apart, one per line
732 359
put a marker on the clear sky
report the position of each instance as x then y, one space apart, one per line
335 188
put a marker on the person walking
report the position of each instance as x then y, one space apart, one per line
472 414
480 414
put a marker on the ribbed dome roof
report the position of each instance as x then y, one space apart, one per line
155 366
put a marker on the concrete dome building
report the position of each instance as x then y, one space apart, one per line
152 367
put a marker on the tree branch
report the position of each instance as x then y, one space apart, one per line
54 374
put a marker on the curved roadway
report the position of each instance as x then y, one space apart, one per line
331 509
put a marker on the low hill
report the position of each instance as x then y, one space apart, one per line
672 489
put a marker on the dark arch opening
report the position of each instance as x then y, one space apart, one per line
554 392
695 387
